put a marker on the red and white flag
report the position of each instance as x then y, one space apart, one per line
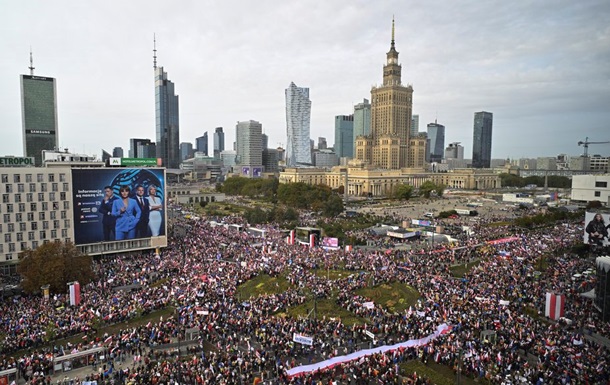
555 304
74 293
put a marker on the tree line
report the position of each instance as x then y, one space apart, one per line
554 181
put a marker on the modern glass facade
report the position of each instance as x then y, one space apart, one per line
481 140
39 115
436 137
249 143
219 142
201 143
167 120
344 136
362 121
298 115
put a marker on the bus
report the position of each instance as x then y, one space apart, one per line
471 213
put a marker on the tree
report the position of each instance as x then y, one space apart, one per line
54 264
404 192
333 206
426 188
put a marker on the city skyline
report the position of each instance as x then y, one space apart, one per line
544 80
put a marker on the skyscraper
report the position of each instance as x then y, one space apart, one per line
39 114
436 136
298 114
391 111
202 143
135 145
186 150
481 139
219 142
414 125
362 121
249 143
344 136
167 118
117 152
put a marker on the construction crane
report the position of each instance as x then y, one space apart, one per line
586 144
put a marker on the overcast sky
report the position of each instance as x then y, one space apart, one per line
541 67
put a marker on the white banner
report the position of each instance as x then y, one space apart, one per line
299 370
368 305
302 339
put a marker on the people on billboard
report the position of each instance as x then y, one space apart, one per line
108 220
127 213
142 227
596 229
155 217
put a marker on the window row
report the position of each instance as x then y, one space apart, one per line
31 236
29 178
29 197
32 187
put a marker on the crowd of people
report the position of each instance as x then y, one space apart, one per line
493 312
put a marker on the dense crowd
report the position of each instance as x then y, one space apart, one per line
493 334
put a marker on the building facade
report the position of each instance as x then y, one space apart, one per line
325 159
481 140
135 147
186 151
362 121
436 136
219 142
249 143
117 152
414 125
201 143
587 188
167 120
454 151
391 109
298 115
344 136
39 115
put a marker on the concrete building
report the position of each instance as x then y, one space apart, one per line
418 146
228 158
364 181
322 144
362 121
167 120
546 163
587 188
481 140
249 143
454 151
325 159
579 163
525 163
598 163
38 114
391 108
344 136
298 115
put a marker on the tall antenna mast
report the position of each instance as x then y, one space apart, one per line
154 51
31 67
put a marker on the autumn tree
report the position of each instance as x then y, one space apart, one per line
54 264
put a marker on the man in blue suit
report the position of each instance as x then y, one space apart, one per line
144 205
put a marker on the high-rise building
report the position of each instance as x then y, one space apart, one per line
167 118
186 151
147 150
481 140
249 143
135 144
436 137
298 114
38 114
219 142
362 121
322 144
117 152
391 109
454 151
202 143
344 136
414 125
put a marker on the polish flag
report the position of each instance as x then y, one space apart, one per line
555 304
74 293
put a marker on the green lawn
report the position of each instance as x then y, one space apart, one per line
262 284
325 308
394 296
334 274
461 270
437 373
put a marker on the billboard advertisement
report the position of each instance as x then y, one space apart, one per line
330 242
597 228
118 204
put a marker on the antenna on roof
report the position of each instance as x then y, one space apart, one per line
154 51
31 67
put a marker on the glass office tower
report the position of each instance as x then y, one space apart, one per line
39 115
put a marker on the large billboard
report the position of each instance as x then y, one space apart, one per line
596 231
118 204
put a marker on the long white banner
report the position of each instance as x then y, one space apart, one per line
300 370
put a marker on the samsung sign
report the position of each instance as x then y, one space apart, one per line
16 161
